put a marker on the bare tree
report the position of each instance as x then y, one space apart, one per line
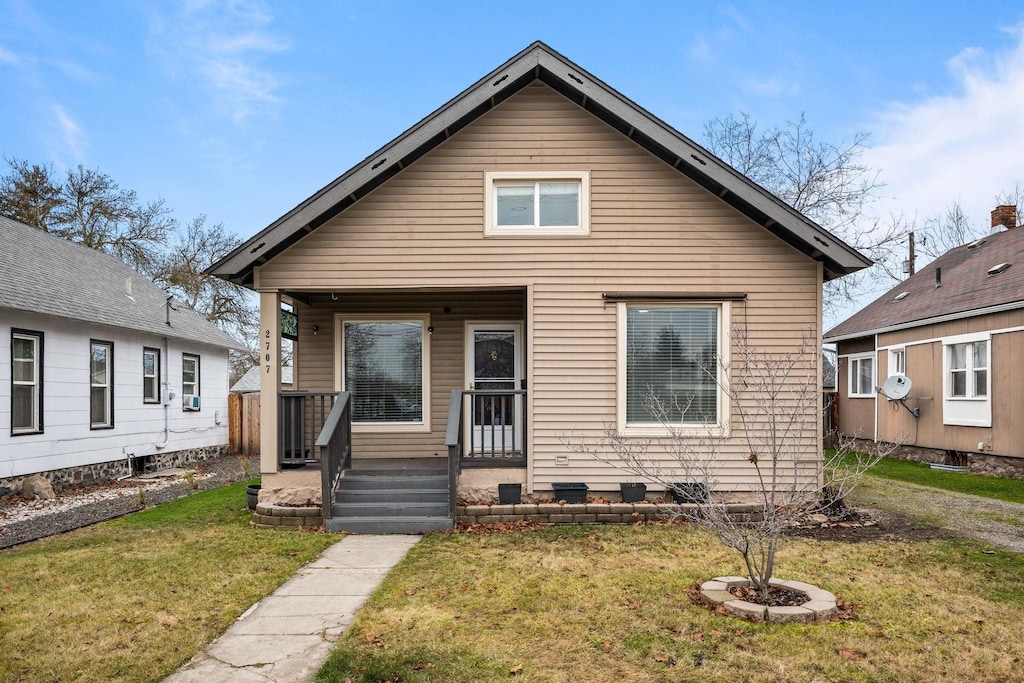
775 399
825 181
29 194
181 270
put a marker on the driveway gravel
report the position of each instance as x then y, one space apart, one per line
986 520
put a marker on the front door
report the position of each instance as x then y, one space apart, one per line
493 371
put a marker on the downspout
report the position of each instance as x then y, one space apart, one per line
876 365
166 392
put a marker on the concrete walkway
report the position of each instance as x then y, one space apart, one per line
287 636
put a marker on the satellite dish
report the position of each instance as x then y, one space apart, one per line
897 387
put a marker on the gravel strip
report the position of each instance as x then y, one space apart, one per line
24 521
987 520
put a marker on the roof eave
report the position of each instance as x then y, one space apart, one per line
589 92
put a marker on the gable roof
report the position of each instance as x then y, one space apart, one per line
47 274
540 62
250 381
967 289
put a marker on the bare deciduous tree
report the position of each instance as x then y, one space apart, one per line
775 399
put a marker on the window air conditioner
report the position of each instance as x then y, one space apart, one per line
190 402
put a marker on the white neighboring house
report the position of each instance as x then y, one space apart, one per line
99 371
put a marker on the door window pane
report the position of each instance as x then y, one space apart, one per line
383 369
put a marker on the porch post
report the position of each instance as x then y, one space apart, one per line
270 378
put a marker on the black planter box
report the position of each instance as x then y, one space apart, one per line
571 493
633 493
689 492
510 494
252 495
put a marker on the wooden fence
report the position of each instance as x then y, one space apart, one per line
244 423
830 418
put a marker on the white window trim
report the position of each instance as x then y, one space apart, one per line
966 411
339 368
893 351
850 384
108 387
494 178
722 427
37 368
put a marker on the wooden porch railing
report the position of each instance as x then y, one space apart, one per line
497 430
302 415
453 440
335 444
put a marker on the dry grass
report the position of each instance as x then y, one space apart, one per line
609 604
132 599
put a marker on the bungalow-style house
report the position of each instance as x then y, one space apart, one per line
521 265
955 330
101 374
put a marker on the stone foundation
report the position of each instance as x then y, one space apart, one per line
86 475
977 463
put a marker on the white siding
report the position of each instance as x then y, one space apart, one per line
139 428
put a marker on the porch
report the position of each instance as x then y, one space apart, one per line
398 494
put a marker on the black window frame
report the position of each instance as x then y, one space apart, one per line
151 400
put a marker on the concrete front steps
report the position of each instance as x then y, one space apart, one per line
384 500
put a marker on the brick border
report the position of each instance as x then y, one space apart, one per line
286 518
820 605
281 516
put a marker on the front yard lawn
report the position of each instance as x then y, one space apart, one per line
610 604
134 598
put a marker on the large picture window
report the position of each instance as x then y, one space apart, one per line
672 354
26 382
540 203
383 368
101 390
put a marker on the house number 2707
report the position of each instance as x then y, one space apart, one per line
266 335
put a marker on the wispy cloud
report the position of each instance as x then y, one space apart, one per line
7 57
69 135
225 44
962 146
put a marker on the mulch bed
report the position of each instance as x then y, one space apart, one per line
885 526
777 596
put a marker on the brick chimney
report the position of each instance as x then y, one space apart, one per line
1004 215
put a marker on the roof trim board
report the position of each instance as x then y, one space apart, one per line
973 313
538 61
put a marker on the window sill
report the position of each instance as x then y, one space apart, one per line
386 427
26 433
717 431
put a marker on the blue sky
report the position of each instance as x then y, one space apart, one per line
239 110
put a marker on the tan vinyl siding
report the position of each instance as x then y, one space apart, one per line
925 369
652 230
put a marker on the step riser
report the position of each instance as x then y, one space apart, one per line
368 525
396 497
390 510
392 483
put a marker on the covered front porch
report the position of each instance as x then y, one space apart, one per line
394 395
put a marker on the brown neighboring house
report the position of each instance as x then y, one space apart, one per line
956 330
518 266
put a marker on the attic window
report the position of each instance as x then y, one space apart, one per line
537 203
976 243
995 270
901 296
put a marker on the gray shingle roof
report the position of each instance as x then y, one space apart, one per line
250 381
47 274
